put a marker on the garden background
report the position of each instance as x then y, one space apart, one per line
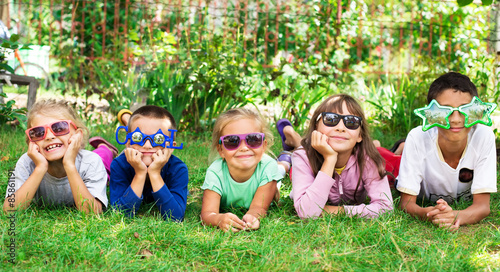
200 58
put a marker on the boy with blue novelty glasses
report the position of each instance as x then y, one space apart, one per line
451 158
147 170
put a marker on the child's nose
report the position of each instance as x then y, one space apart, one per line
456 117
340 126
148 143
50 134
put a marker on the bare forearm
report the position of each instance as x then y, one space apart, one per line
335 210
415 210
137 183
22 198
84 200
156 181
211 218
472 214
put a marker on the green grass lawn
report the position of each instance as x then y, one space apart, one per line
65 239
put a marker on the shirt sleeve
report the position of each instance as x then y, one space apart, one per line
411 168
310 193
269 170
485 172
171 199
121 194
94 175
378 191
212 181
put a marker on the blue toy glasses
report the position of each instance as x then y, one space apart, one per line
157 139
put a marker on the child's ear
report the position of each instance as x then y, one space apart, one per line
264 144
219 149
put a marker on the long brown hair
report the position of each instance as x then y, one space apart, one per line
362 149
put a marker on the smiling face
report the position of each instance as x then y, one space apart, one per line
340 138
148 126
457 133
52 147
243 159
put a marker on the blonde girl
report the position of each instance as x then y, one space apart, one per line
338 168
56 170
244 176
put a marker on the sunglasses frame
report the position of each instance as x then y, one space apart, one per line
342 117
242 137
488 109
145 137
49 126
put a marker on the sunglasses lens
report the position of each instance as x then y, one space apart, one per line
437 116
60 128
330 119
136 137
231 142
159 139
37 133
474 112
254 140
352 122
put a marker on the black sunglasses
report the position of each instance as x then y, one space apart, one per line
331 119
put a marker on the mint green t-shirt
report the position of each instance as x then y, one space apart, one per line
235 194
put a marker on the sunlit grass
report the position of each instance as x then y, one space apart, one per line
64 239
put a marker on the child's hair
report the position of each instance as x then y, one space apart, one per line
235 115
59 109
362 149
152 111
454 81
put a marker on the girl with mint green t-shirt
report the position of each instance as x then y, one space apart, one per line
244 176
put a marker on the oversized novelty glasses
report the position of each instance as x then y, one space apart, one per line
233 141
331 119
476 112
58 128
157 139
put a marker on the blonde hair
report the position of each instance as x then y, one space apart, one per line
59 109
233 115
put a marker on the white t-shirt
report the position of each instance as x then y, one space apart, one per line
424 172
57 191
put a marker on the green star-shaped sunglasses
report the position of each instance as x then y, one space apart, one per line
475 112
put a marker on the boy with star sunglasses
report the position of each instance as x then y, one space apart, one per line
451 157
147 170
243 177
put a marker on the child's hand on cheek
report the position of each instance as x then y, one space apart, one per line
74 144
231 222
134 157
252 222
37 157
319 141
160 158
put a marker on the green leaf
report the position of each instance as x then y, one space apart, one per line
6 67
487 2
462 3
14 38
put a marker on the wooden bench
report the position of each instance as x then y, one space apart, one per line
31 82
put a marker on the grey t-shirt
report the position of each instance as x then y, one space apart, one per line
57 191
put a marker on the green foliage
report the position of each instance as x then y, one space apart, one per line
9 113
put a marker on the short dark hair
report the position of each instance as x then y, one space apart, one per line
451 80
152 111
